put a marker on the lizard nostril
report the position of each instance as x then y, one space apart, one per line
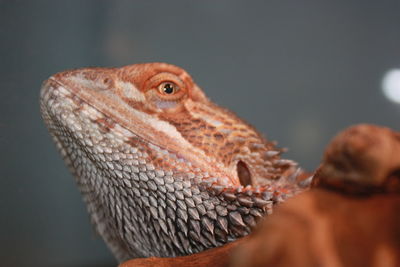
243 173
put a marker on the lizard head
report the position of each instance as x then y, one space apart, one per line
164 171
161 104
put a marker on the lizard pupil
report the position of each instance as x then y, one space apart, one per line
168 88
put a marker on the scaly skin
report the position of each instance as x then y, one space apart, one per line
163 170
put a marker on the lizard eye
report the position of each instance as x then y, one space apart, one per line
165 92
168 88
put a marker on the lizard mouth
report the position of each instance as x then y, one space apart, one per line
76 99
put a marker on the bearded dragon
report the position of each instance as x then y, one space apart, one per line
163 170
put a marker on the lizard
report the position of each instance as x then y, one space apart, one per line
163 170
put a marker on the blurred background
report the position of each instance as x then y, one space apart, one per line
300 71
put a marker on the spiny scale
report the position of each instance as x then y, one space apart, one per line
158 172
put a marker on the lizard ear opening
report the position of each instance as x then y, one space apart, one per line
243 173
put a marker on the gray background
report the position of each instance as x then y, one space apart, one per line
300 71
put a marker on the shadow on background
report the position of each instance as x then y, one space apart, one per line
298 72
